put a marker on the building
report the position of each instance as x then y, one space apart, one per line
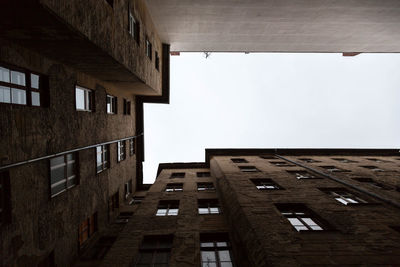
268 207
73 79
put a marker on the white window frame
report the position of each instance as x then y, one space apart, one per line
87 101
121 150
112 104
66 178
105 156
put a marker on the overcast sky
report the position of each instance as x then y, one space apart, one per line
273 100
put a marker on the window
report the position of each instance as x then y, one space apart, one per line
128 189
308 160
177 175
114 202
87 229
174 187
149 49
157 61
134 27
265 184
342 160
205 187
203 174
343 196
136 200
303 175
155 251
5 204
102 158
268 157
333 169
301 218
112 104
83 99
373 168
239 160
248 169
168 208
208 206
110 2
63 173
121 146
281 163
372 183
215 250
131 147
378 160
127 107
21 87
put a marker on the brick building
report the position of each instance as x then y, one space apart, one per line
74 76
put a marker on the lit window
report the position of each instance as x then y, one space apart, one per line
248 169
131 147
63 173
300 217
21 87
342 160
168 208
215 250
303 175
333 169
149 48
83 99
127 107
309 160
121 150
134 27
373 168
128 189
177 175
174 187
208 206
155 251
205 187
239 160
5 203
372 183
265 184
112 104
87 229
203 174
343 196
102 158
281 163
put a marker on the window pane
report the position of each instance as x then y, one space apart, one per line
5 94
18 96
161 212
58 188
214 210
173 212
57 175
145 258
300 227
34 81
309 221
294 221
57 161
80 98
18 78
207 244
4 75
208 256
161 257
222 244
35 99
226 264
72 181
209 264
203 210
70 169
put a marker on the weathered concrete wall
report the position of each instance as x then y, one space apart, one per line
39 223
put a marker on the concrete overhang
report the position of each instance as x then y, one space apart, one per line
278 26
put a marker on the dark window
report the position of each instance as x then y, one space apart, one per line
203 174
309 160
303 175
239 160
110 2
268 157
208 206
47 261
378 160
134 27
265 184
87 229
178 175
396 228
114 202
84 99
343 196
127 107
373 168
112 106
301 218
372 183
131 146
342 160
149 49
174 187
128 189
281 163
121 150
215 250
5 203
248 169
157 61
168 208
22 87
155 251
333 169
205 187
102 158
63 173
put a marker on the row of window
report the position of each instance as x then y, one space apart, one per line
215 250
309 160
64 172
171 207
182 174
178 187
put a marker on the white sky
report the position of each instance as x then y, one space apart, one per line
273 100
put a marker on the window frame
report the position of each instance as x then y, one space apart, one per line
215 243
282 164
208 204
105 158
156 61
344 196
88 101
65 177
149 48
91 229
239 160
131 146
155 244
128 189
167 205
174 187
113 101
265 184
208 187
203 174
177 175
299 176
133 26
247 169
121 150
127 107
